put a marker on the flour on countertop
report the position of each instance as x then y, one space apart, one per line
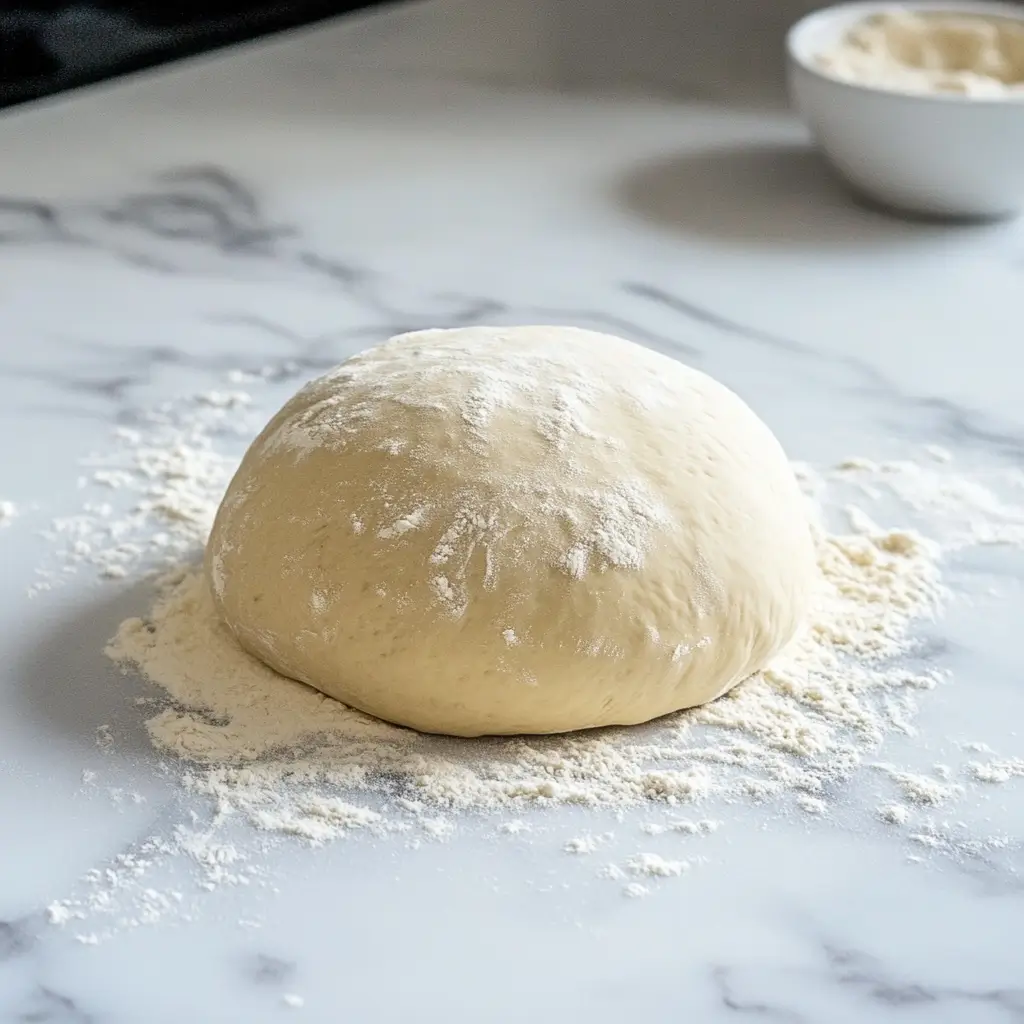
515 827
127 894
635 890
643 865
655 866
920 789
318 770
8 510
997 771
683 826
894 814
162 475
587 843
811 804
961 511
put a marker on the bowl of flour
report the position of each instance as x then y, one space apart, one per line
919 106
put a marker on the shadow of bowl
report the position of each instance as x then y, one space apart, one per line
772 195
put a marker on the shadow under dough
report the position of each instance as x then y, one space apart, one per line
773 195
68 684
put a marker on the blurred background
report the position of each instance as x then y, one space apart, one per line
682 46
49 45
687 47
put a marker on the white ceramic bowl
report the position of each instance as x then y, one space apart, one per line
939 155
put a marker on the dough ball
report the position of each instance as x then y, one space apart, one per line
513 530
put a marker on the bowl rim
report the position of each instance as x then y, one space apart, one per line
865 8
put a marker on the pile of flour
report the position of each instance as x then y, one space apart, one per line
287 760
803 723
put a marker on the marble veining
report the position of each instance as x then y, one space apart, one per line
865 980
949 420
209 207
273 211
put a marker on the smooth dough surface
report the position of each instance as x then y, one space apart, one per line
513 530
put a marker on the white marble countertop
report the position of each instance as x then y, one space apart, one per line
290 202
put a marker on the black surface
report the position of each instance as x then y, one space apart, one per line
48 46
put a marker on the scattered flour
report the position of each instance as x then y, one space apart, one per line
125 895
8 510
811 804
976 747
961 511
60 913
643 865
163 473
437 828
276 755
997 771
921 789
515 828
894 814
653 865
587 843
684 826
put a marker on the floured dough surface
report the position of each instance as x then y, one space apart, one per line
513 530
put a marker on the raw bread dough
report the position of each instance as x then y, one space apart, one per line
513 530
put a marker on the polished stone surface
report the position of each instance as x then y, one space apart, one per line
283 206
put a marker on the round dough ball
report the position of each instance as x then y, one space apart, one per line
513 530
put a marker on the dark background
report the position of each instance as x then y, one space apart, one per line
48 45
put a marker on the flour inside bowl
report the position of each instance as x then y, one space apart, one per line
937 52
